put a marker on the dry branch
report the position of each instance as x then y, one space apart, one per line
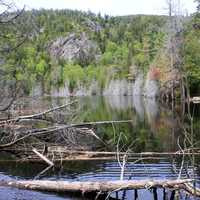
102 186
43 157
37 115
36 132
13 17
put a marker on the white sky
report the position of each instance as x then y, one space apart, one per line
111 7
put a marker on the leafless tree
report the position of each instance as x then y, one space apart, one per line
173 46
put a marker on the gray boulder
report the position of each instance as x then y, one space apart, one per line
75 48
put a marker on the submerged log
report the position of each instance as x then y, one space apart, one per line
62 149
103 186
60 154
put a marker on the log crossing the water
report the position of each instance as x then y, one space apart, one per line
103 186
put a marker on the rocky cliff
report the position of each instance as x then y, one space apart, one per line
140 87
74 48
80 49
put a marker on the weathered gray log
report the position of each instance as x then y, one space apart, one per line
74 155
102 186
65 150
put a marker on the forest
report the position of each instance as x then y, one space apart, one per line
114 48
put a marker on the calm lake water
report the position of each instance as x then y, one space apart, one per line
153 128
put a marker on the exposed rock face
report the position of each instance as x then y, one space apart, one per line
92 25
122 87
115 87
75 48
138 104
64 91
138 85
60 92
151 88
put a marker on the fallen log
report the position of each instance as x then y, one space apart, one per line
74 158
61 154
65 150
103 186
112 153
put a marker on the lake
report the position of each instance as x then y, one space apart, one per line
153 127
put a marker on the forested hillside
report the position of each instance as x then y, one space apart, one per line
76 48
191 51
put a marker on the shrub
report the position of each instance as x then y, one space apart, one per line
154 73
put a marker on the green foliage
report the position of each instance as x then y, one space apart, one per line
102 76
123 41
41 67
91 73
73 74
115 54
191 53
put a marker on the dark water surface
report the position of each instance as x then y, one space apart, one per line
153 128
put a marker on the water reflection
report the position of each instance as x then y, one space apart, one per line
153 127
138 104
118 102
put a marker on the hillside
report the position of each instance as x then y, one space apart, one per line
76 49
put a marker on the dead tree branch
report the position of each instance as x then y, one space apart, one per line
37 115
50 163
